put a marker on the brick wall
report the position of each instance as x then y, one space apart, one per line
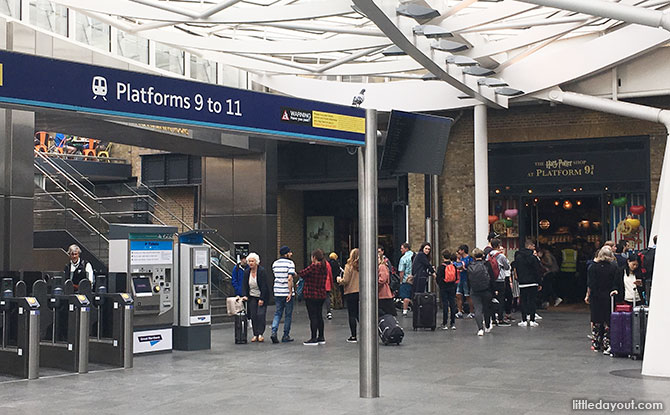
417 210
521 123
291 224
180 201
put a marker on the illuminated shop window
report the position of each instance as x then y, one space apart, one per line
49 16
169 58
11 8
203 70
132 47
92 32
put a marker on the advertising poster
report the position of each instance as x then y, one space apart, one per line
319 233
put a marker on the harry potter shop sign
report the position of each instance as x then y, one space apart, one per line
603 160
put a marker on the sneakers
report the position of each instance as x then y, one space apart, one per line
523 323
558 301
274 338
480 333
453 327
352 339
311 342
321 341
471 315
488 329
404 313
509 318
533 324
607 352
445 327
286 339
329 316
459 315
504 323
538 317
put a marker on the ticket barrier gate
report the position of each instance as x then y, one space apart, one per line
111 325
19 347
64 325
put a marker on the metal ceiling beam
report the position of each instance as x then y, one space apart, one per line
616 11
419 49
345 59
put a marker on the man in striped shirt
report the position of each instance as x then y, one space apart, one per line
284 270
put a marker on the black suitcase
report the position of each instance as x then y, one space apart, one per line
424 311
640 315
240 328
390 330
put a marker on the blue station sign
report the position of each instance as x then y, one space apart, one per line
63 85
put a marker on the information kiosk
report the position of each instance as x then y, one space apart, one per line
141 258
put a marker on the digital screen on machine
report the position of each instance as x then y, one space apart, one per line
200 277
142 284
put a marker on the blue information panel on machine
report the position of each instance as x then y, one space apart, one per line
51 83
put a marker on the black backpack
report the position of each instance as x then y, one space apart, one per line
478 277
646 258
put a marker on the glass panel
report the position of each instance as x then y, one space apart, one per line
92 32
203 70
133 47
169 58
49 16
11 8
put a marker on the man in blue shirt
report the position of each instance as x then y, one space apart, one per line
238 275
463 290
405 271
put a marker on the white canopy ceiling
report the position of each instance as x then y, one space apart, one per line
303 47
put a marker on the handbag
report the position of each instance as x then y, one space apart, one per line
410 279
234 305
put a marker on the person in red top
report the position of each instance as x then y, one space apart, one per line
314 292
385 295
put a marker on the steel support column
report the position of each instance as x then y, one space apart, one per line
481 177
368 343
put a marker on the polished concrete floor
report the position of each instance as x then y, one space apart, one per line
512 370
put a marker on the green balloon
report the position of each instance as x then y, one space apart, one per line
508 222
620 201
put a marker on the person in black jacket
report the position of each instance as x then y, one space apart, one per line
600 279
422 269
256 291
529 274
481 277
78 269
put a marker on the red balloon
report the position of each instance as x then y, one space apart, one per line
492 219
637 209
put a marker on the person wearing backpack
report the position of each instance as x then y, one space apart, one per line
480 279
500 266
447 279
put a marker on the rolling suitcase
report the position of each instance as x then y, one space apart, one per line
241 321
621 332
640 315
424 311
389 330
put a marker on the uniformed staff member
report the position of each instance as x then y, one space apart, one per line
77 269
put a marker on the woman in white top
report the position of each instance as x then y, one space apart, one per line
627 282
257 292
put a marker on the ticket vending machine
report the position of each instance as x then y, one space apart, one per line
193 321
141 263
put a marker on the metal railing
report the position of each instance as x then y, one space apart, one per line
88 190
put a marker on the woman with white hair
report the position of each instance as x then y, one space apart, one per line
256 292
600 279
78 269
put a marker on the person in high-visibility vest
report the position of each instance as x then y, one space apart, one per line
568 270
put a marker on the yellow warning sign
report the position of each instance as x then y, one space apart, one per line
338 122
1 75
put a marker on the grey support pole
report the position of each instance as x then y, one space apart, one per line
369 345
481 177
